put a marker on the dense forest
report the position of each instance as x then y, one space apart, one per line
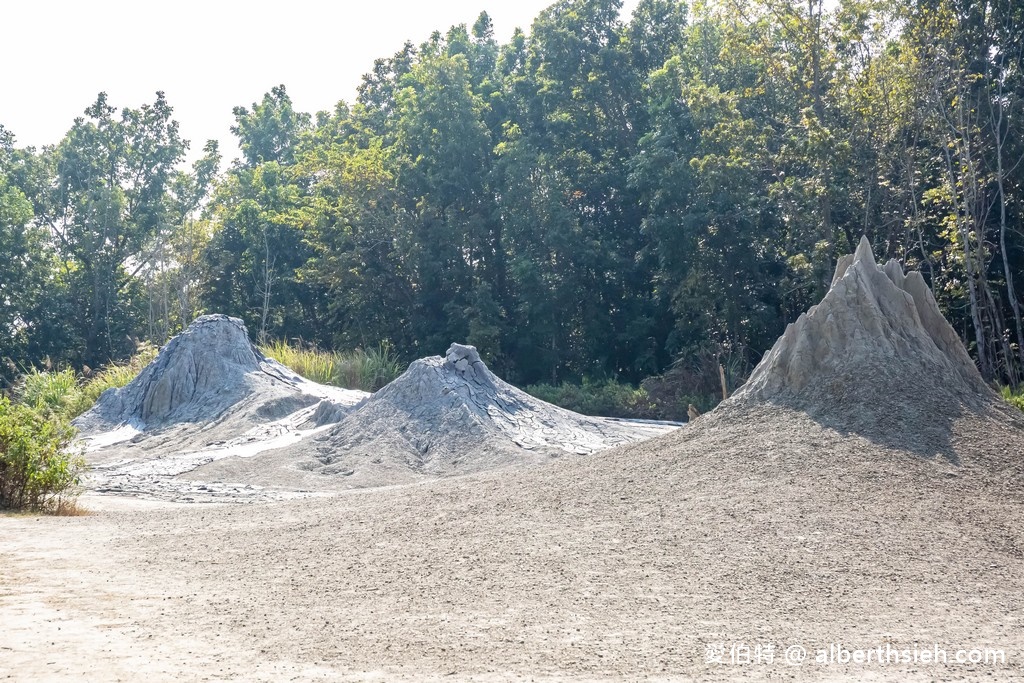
599 197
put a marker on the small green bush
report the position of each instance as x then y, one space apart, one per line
1015 399
365 370
37 472
609 399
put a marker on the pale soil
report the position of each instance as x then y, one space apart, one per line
616 566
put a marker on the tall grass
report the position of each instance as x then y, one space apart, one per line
1014 398
52 392
364 370
63 393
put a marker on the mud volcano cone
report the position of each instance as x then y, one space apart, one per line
876 357
198 377
452 415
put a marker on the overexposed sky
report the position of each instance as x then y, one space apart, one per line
208 56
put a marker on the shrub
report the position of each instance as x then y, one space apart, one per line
365 370
37 472
609 399
695 379
1014 398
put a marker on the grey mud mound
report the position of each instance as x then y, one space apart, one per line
197 376
209 394
451 415
875 357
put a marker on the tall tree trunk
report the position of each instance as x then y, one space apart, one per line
1011 292
998 122
963 222
825 199
266 287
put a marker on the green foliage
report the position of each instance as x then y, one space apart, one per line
363 370
270 131
1014 398
51 392
357 238
608 398
252 261
37 471
32 317
64 395
106 200
600 197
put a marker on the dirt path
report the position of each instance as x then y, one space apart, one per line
75 608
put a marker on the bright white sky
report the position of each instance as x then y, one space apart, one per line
208 55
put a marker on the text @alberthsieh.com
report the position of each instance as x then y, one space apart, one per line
754 654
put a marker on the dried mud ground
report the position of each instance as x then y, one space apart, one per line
619 566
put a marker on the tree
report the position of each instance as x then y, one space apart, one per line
107 201
356 223
173 270
572 219
252 257
24 269
270 132
451 241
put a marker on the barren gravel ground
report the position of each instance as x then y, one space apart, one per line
617 566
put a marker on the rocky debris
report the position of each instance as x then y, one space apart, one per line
452 415
465 360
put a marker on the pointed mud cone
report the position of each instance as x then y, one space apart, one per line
873 324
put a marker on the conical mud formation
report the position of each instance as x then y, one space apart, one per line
876 358
200 375
209 395
876 328
452 415
197 375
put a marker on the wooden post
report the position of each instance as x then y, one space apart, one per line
721 376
